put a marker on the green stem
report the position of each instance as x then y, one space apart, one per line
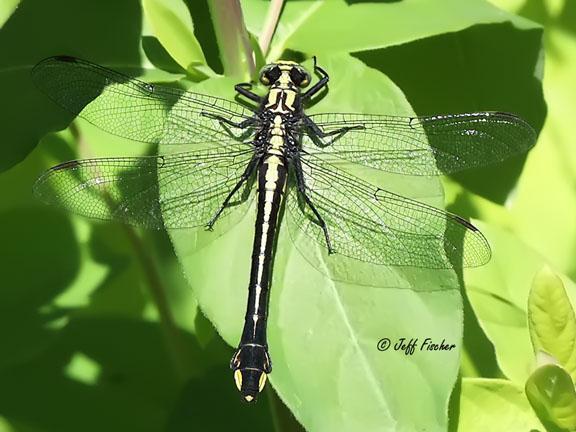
232 37
270 24
172 334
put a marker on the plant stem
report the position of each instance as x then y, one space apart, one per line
270 25
233 40
172 335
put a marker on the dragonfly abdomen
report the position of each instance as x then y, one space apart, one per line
251 362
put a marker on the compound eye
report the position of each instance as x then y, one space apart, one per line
306 80
270 75
299 77
264 77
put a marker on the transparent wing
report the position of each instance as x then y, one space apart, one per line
173 191
421 145
376 226
134 109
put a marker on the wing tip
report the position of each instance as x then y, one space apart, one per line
39 188
65 58
530 132
476 250
62 58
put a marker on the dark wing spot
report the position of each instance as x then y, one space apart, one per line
66 165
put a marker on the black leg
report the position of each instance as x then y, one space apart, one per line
241 125
302 190
319 85
243 178
321 134
244 90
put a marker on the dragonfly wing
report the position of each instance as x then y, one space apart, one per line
430 145
134 109
370 224
174 191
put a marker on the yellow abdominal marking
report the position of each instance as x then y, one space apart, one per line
262 382
270 186
238 378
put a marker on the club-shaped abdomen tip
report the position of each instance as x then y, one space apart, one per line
250 383
251 366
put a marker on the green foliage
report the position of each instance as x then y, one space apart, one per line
99 328
6 9
494 404
551 392
552 321
171 22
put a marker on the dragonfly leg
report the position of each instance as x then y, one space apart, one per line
337 133
244 90
243 178
302 190
319 85
241 125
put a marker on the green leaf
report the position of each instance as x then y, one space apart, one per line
7 8
494 405
551 392
551 320
499 294
552 164
66 27
323 334
470 71
339 27
171 23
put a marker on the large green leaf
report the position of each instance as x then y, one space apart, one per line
494 405
323 334
499 294
341 27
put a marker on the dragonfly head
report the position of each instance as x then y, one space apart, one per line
284 71
251 366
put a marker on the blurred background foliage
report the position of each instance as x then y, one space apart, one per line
99 327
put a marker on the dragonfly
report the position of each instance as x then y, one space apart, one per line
222 148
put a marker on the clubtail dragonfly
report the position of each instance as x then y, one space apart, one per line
226 147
